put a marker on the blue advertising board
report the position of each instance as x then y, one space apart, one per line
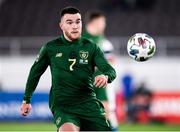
10 104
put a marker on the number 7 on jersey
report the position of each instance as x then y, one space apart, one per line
72 64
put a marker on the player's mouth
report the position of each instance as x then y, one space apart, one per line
74 32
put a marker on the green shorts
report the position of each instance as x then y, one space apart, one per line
89 116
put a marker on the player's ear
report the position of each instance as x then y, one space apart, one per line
60 25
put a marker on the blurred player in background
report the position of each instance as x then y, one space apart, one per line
95 28
72 60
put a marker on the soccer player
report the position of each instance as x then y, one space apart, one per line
95 28
72 60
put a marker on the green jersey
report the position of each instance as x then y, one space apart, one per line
72 66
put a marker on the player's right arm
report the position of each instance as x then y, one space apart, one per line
108 72
37 69
103 65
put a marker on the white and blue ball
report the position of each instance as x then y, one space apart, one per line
141 47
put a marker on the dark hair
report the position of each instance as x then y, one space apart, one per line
91 15
69 10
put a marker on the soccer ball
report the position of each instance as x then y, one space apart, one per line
141 47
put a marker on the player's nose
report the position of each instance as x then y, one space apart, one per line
75 26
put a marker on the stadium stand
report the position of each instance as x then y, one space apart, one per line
39 18
23 23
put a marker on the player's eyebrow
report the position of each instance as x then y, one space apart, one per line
68 20
78 19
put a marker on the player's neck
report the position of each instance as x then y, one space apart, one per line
69 41
67 38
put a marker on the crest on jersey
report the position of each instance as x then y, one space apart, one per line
83 54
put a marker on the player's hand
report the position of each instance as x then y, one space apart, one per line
25 109
101 81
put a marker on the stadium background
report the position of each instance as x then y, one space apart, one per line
26 25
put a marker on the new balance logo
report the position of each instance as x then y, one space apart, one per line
58 120
58 54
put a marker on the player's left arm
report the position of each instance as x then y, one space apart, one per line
109 74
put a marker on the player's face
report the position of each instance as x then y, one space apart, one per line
71 26
100 24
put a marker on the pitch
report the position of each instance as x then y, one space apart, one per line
48 126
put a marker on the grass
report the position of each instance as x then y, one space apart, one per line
48 126
33 126
149 127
